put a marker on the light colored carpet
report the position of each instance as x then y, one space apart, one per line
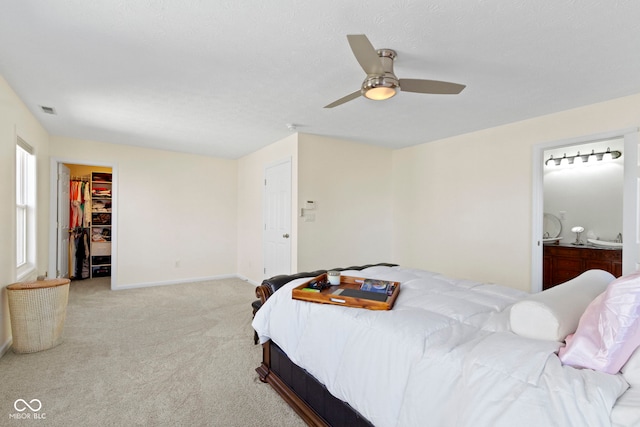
164 356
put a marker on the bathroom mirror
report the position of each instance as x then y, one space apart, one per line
552 228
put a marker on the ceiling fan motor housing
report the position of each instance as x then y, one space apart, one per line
386 84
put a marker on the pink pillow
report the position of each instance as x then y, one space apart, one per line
609 329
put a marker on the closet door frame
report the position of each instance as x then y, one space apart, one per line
53 213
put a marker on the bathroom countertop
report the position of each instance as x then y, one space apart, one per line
584 246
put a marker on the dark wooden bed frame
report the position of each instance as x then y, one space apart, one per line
305 394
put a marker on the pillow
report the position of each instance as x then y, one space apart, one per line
609 330
631 369
554 313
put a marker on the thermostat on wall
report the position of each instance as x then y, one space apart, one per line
310 204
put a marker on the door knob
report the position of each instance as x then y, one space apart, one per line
286 235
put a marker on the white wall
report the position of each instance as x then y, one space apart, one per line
462 205
588 195
351 185
250 217
16 120
176 214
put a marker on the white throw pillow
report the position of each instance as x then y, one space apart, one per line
631 369
555 313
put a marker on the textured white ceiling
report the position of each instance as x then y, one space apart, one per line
223 78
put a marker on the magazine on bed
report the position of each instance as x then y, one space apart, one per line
378 286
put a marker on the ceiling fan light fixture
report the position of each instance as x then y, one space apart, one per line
380 93
379 88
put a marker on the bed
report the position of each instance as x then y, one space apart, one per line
450 353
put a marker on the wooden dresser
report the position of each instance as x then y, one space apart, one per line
565 261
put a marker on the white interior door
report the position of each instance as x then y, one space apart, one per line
277 219
62 253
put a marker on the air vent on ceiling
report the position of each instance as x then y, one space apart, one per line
48 110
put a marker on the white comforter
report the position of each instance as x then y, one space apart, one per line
444 356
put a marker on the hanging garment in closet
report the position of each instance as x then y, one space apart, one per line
86 196
76 200
82 254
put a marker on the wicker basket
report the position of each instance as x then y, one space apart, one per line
37 311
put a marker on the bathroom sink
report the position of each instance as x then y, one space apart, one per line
605 243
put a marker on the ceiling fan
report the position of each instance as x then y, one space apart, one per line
380 82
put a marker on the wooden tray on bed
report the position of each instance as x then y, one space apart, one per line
328 295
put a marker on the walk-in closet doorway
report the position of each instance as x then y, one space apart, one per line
83 209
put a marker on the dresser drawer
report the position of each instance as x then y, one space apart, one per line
571 264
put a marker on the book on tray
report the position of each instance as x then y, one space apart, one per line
374 285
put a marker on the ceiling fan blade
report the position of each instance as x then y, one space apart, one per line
344 99
365 54
430 86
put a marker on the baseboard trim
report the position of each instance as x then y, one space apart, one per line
246 279
176 282
5 347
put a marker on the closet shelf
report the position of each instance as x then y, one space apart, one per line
101 185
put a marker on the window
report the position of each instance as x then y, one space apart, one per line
25 209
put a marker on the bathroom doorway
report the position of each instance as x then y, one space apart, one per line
582 210
606 208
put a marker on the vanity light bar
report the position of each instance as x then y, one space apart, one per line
583 158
